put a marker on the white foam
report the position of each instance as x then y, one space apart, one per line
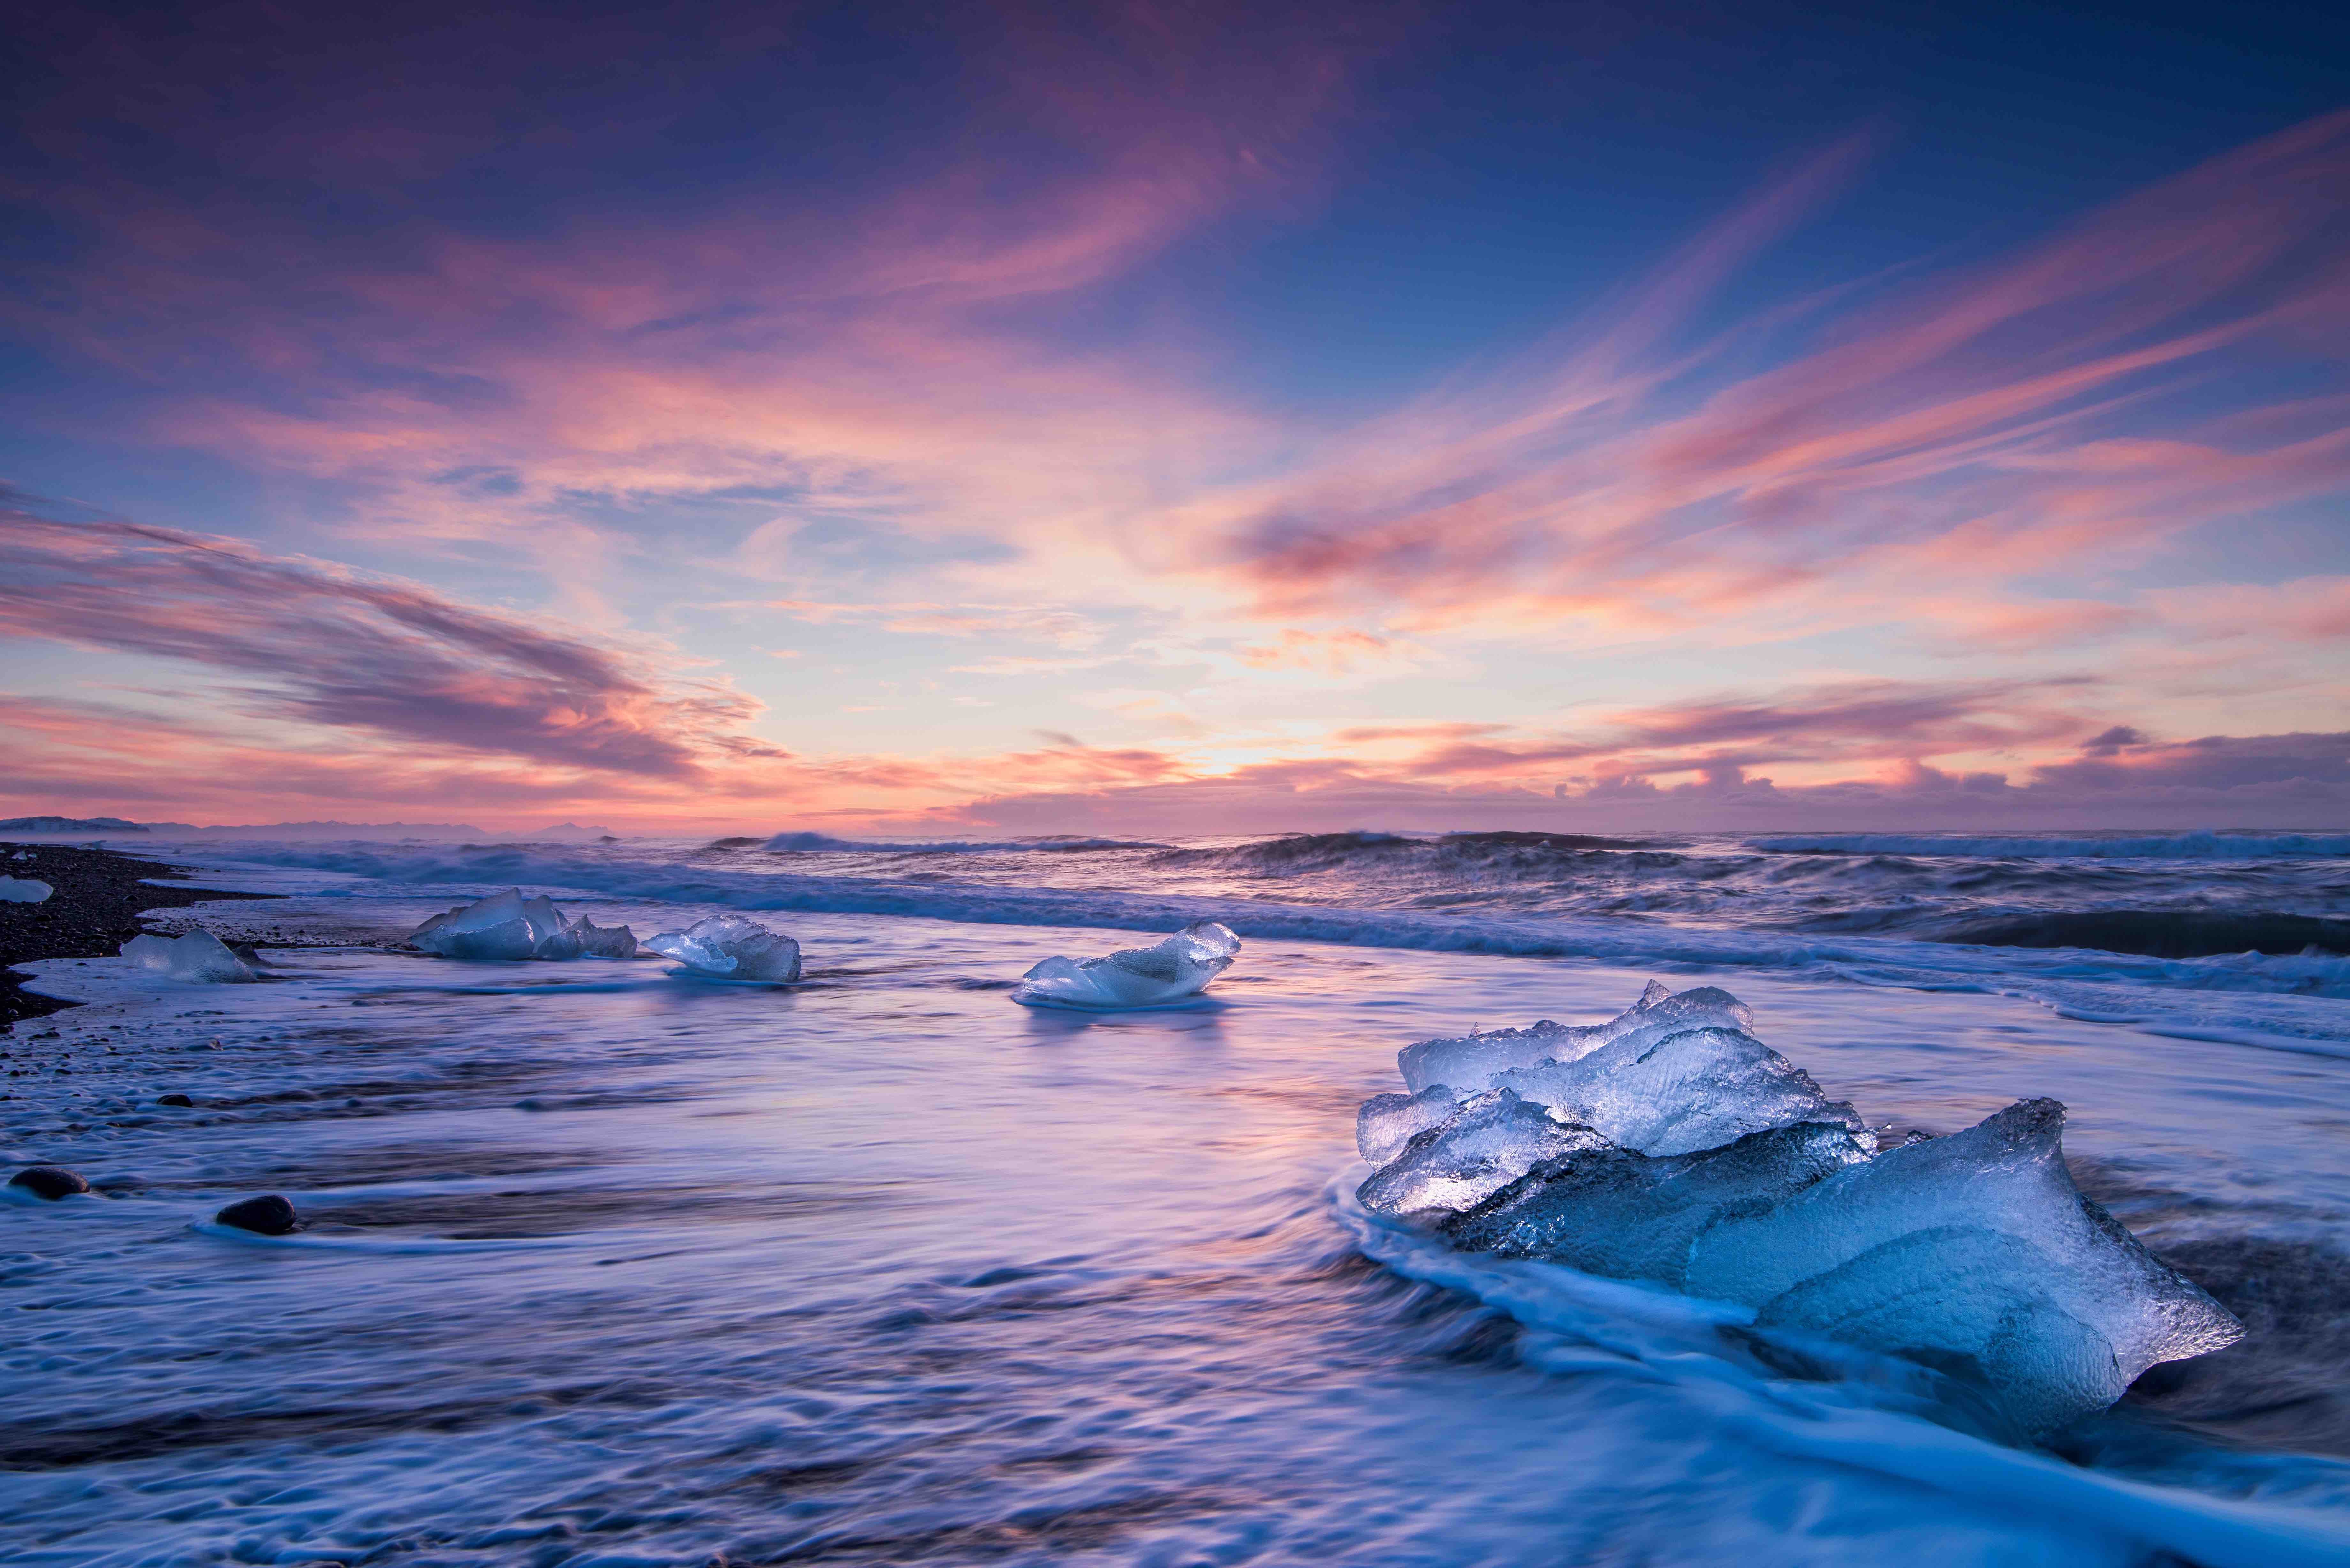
2288 1000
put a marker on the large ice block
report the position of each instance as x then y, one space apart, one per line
197 957
1672 1146
510 928
1166 971
729 946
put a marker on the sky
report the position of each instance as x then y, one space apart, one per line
1178 419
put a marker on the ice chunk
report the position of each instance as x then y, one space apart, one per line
1975 1250
732 948
508 927
1673 1093
1154 976
1387 1122
499 926
1628 1215
198 956
1485 1143
24 891
603 941
1475 1061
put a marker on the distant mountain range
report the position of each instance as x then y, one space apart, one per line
111 826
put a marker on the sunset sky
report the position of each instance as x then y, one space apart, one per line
1178 419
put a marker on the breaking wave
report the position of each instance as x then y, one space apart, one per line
2257 998
2162 933
2246 846
802 843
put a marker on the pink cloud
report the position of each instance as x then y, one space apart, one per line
1962 430
324 645
875 346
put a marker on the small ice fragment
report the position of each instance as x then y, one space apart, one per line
1482 1145
1974 1250
1387 1122
1154 976
603 941
198 958
731 947
24 891
1475 1061
503 927
1688 1090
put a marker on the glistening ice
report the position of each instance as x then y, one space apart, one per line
1670 1144
198 956
510 928
728 947
1155 976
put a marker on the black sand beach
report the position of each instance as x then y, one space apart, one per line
99 896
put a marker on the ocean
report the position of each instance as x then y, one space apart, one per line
607 1266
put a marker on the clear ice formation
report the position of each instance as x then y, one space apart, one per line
1485 1143
1154 976
729 946
1698 1088
1671 1146
24 891
510 928
198 958
1474 1061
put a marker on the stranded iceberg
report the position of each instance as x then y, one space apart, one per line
507 926
198 956
1669 1145
728 947
1167 971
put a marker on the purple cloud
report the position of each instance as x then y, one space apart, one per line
331 647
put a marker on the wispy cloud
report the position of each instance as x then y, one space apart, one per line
320 644
1970 430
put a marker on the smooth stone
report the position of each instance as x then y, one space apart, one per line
49 1181
269 1215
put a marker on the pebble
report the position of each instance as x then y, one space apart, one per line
269 1215
49 1181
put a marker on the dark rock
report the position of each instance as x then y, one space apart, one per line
269 1215
49 1181
181 1100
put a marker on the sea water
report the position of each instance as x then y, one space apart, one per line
608 1266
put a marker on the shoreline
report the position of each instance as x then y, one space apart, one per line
100 898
